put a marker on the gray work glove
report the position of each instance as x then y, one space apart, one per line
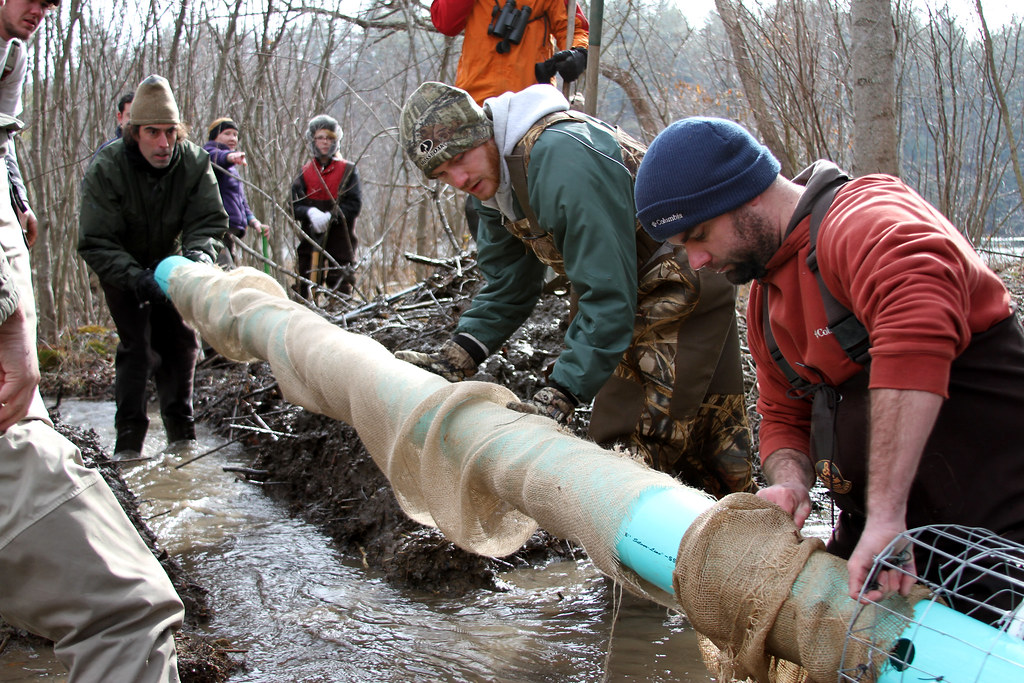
553 402
199 256
451 361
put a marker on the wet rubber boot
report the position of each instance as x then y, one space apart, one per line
181 435
131 436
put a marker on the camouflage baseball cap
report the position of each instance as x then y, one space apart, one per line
439 122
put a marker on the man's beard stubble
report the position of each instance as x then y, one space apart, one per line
756 235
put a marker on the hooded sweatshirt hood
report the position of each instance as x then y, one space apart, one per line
513 113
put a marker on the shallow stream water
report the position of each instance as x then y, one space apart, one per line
304 613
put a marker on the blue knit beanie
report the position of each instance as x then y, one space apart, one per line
697 169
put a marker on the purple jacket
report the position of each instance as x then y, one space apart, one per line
232 192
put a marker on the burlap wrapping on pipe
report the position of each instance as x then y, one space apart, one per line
768 598
456 458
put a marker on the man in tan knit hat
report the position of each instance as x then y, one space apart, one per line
142 197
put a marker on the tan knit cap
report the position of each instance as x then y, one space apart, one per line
154 103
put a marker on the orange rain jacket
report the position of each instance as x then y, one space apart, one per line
482 71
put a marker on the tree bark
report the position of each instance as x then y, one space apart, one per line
751 80
649 124
875 141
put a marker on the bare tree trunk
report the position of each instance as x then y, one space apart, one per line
226 52
751 80
875 143
997 91
649 124
179 28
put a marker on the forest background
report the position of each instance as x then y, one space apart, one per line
950 120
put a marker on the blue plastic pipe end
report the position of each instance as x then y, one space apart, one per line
650 535
163 271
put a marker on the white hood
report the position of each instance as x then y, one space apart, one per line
513 113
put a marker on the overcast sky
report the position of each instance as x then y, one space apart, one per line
997 12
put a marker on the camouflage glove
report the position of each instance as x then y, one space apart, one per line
552 402
451 361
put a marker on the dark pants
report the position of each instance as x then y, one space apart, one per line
972 468
153 339
313 265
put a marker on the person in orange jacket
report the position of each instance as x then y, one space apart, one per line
510 46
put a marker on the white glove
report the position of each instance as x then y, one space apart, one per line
318 220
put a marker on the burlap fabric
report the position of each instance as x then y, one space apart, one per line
768 599
456 458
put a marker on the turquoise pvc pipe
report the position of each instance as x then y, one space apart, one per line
950 646
650 535
162 274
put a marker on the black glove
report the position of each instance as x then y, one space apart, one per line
553 402
571 63
148 291
199 256
451 361
545 71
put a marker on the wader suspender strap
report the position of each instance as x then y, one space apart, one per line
519 158
847 330
517 177
13 53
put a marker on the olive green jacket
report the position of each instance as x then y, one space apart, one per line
133 215
583 198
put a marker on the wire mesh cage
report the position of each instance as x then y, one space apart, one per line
972 626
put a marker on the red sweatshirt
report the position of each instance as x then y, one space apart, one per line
901 267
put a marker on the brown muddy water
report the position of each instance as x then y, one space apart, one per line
303 613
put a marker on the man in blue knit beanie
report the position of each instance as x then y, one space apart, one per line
888 354
727 167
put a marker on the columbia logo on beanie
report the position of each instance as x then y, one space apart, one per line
696 169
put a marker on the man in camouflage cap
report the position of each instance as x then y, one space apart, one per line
652 340
440 122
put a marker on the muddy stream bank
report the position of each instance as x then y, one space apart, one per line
305 569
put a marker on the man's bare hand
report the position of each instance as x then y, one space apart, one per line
876 537
790 477
792 497
29 226
19 370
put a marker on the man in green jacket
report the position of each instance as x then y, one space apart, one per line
147 196
654 341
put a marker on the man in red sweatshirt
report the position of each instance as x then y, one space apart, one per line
916 400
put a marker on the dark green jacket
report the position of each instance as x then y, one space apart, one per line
583 196
133 215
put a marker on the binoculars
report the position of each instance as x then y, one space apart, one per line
508 23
